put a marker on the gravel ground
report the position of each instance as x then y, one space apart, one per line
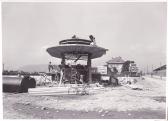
112 103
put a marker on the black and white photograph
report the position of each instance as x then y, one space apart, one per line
84 60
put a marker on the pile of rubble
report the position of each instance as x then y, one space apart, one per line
131 82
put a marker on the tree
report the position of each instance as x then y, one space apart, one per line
126 65
115 70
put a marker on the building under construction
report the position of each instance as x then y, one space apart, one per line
71 52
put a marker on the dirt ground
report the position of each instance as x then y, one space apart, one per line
111 103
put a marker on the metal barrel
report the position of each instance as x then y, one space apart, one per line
18 84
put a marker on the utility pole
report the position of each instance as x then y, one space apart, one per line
152 71
147 69
160 66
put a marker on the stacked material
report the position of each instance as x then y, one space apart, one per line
48 90
66 89
131 82
128 80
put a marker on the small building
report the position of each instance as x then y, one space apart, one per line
120 67
115 64
160 71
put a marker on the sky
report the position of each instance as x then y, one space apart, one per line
133 30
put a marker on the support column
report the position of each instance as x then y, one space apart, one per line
63 60
89 69
62 68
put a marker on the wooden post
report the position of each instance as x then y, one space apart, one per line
63 60
89 69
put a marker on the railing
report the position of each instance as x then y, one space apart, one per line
75 41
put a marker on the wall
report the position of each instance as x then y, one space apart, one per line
160 73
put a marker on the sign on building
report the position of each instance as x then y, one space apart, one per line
133 67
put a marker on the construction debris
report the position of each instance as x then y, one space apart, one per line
130 82
100 111
86 110
106 111
27 103
43 108
66 89
134 87
129 114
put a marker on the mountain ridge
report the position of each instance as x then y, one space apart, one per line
35 68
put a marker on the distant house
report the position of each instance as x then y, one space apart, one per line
115 64
160 71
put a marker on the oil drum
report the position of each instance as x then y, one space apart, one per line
18 84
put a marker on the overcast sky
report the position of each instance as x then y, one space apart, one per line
134 31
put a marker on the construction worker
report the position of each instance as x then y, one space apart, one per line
50 67
92 38
74 37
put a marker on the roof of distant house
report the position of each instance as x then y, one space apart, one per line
160 68
115 60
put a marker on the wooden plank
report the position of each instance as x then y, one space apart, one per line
51 90
63 93
63 90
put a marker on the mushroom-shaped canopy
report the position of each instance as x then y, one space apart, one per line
76 46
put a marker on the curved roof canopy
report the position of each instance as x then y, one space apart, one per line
76 46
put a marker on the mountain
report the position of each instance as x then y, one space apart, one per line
35 68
